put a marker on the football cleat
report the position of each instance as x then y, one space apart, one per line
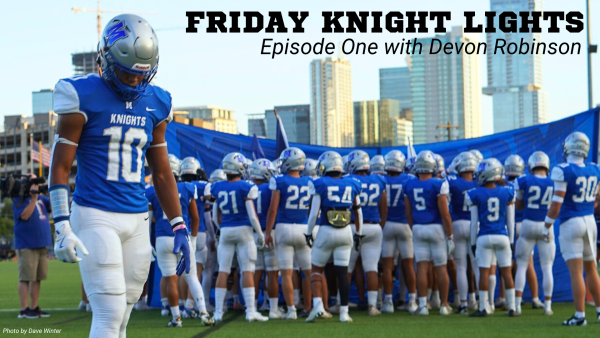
435 303
574 321
205 319
412 306
82 306
490 309
256 317
300 306
388 307
456 303
445 310
421 311
373 311
325 315
501 304
513 313
316 312
537 304
303 314
549 312
479 313
88 308
189 313
345 317
166 311
276 314
402 305
175 322
461 310
351 305
210 308
472 305
290 315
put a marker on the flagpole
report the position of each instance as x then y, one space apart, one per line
31 152
41 163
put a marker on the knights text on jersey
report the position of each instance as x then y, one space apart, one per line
261 204
335 193
231 198
393 190
423 197
458 188
372 186
113 143
537 195
582 188
491 204
294 198
187 192
200 204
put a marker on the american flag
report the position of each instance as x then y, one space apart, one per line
35 154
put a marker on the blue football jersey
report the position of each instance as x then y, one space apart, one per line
372 186
582 188
393 190
491 204
262 203
338 193
294 198
231 199
187 192
537 195
423 197
459 210
519 214
113 143
200 204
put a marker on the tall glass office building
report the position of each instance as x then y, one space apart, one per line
394 83
515 81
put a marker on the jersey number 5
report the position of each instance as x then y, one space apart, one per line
121 151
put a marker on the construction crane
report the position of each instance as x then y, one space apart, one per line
99 12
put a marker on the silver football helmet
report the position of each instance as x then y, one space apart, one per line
277 164
330 161
577 144
377 164
310 168
451 170
538 159
478 155
190 166
175 164
514 165
395 161
217 175
261 169
234 164
357 160
292 159
425 163
128 44
489 170
441 165
467 162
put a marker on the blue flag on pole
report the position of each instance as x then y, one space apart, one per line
256 149
281 138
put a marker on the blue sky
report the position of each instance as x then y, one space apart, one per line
227 70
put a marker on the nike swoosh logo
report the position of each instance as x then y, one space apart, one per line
150 109
60 246
145 219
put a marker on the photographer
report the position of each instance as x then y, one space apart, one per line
32 236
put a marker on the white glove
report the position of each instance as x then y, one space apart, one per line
66 243
546 234
260 240
450 246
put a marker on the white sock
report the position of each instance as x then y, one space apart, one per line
337 299
220 294
492 288
422 301
189 304
296 297
317 301
164 301
273 304
463 303
291 308
483 300
412 297
518 303
435 295
548 305
472 297
175 312
344 309
579 315
249 299
536 299
510 298
388 298
182 302
372 298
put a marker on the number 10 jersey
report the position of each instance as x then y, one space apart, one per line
113 143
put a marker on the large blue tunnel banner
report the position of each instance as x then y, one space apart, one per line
211 146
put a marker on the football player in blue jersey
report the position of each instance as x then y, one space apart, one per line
534 195
233 209
289 206
461 222
427 213
373 200
333 197
260 172
575 194
111 122
397 235
492 231
167 261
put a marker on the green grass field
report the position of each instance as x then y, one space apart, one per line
61 291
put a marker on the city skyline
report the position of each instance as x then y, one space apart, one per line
199 68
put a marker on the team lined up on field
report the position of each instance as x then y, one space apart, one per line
458 225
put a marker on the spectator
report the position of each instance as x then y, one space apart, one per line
32 236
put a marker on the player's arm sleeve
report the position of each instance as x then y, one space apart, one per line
444 189
314 213
474 221
252 216
312 190
215 216
510 222
66 99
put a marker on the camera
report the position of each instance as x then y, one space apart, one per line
19 186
